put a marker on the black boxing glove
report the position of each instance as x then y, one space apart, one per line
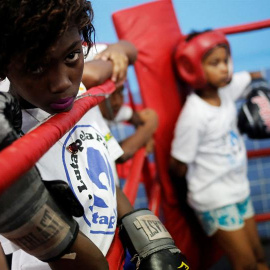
254 115
10 119
149 243
29 216
64 197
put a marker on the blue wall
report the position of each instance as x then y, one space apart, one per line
251 51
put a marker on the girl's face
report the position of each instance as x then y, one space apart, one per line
54 87
216 67
116 100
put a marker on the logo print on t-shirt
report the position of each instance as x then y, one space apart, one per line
100 173
91 177
235 145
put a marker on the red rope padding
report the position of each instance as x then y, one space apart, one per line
245 27
134 178
259 153
116 253
20 156
155 199
262 217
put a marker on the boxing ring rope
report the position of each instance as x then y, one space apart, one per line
241 28
245 27
134 177
258 153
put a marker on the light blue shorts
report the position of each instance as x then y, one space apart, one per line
228 218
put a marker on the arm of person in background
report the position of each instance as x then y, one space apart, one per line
96 72
146 122
122 54
110 63
256 75
239 86
177 168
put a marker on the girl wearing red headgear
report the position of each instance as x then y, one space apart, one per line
207 148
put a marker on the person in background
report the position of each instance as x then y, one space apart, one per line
208 150
115 111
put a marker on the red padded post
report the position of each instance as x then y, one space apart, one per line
116 253
154 30
134 178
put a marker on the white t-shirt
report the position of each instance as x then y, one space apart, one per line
91 174
124 114
94 50
207 139
4 85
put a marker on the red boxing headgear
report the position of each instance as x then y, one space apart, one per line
189 55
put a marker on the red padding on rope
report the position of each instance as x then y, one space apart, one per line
116 253
134 178
155 199
22 155
262 217
258 153
245 27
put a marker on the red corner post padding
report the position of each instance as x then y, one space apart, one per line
116 253
154 30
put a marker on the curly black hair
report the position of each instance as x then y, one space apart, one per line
28 28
